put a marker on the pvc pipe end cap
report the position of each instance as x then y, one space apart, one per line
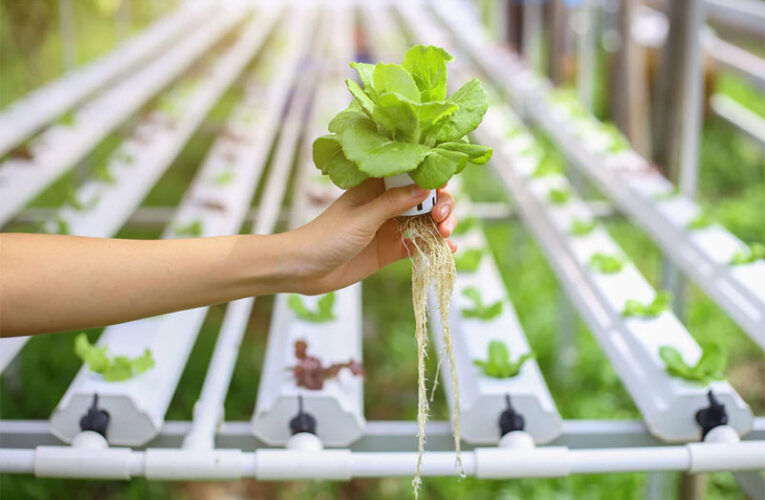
517 440
304 441
722 434
90 440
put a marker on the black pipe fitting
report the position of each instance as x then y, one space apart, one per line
96 419
302 422
712 416
510 420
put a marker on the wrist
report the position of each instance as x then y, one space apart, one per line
267 264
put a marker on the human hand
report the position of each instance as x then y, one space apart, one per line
358 235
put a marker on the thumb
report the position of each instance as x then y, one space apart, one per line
391 203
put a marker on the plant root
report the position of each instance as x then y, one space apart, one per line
432 265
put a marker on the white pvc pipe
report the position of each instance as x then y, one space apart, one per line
284 464
436 463
628 459
17 461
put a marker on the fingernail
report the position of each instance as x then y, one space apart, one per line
418 192
445 211
449 226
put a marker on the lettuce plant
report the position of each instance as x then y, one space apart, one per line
192 229
498 364
618 141
659 304
710 366
703 220
559 196
104 174
402 121
479 309
606 264
112 368
323 312
310 372
223 178
756 251
549 165
582 227
467 261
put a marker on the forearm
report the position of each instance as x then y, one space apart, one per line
56 283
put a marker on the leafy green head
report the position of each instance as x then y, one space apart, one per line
634 308
498 363
485 312
402 121
709 367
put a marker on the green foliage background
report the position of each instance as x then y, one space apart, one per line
583 384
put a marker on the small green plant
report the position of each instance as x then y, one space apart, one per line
498 364
466 225
559 196
756 251
323 312
549 165
192 229
103 173
113 369
710 366
701 221
223 178
479 309
73 201
667 195
67 119
124 157
606 264
582 227
61 226
468 261
634 308
618 141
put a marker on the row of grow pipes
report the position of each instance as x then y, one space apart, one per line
336 407
40 107
677 400
629 181
99 207
483 399
138 406
62 145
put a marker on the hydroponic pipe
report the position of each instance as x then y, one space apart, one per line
285 464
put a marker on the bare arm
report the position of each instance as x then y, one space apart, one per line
55 283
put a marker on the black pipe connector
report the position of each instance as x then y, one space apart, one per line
302 422
510 420
712 416
95 420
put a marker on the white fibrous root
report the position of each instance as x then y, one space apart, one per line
432 267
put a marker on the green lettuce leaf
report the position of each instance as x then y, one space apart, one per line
427 65
473 102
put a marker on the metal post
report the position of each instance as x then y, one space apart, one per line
68 40
532 33
566 349
690 130
686 168
586 31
